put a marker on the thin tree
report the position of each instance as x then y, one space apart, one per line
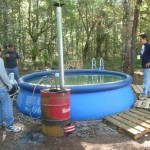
126 37
134 33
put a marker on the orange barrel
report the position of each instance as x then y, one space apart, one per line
55 109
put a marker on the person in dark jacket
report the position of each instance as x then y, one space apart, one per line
11 59
145 57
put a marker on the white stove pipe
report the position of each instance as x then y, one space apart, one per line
60 43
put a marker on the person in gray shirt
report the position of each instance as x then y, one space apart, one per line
6 110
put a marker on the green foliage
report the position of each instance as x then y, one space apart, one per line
91 28
137 64
34 54
55 64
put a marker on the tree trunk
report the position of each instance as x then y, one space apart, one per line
5 22
126 37
134 32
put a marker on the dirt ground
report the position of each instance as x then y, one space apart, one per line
89 135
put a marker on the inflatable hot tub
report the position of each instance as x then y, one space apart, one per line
94 93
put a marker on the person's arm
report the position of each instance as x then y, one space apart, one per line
4 76
4 54
147 58
18 61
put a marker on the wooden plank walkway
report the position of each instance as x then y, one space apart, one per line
134 122
137 89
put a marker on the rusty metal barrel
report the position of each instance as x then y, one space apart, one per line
55 110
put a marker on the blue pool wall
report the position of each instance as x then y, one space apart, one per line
86 101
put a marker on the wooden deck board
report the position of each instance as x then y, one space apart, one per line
134 122
143 110
136 89
123 126
129 122
140 118
137 111
140 88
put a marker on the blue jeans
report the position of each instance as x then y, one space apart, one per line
146 81
15 71
6 110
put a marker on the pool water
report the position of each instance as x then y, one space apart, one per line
79 79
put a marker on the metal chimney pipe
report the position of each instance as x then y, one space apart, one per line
60 43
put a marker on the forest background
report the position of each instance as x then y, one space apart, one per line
105 29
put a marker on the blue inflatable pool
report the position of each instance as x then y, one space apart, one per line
88 100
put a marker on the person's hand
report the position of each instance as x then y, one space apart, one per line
7 55
138 73
147 64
